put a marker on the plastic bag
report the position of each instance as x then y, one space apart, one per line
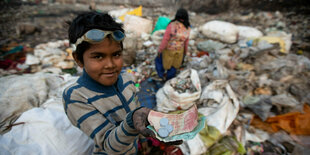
223 107
286 103
138 25
260 105
196 146
161 23
220 30
157 36
246 32
21 93
294 123
168 99
46 130
228 145
137 12
210 46
287 39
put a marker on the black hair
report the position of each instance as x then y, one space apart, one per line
182 16
87 21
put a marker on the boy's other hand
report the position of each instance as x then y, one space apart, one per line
140 122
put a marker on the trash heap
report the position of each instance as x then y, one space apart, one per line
183 85
250 82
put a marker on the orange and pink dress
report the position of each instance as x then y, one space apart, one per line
174 45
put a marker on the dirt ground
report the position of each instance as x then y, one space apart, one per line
30 24
49 21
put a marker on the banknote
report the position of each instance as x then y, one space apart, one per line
184 136
181 123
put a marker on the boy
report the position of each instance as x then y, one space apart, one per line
102 101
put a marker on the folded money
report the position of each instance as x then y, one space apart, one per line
174 124
184 136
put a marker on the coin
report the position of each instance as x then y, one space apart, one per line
163 132
169 128
163 122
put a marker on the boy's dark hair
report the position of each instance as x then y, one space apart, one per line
87 21
182 16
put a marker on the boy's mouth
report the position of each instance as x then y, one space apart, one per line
110 74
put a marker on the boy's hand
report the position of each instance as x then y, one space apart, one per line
140 122
178 142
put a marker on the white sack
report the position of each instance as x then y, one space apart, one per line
138 25
46 131
194 33
157 36
169 100
220 30
246 32
118 13
50 53
21 93
222 115
196 146
32 60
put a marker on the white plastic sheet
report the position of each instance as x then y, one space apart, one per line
46 131
157 36
196 146
246 32
222 115
21 93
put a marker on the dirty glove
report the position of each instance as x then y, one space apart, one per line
140 122
178 142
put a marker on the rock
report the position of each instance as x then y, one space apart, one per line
26 28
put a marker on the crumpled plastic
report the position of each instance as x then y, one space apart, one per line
209 135
223 105
210 46
293 123
137 12
228 145
260 105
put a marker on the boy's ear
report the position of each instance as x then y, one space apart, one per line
79 63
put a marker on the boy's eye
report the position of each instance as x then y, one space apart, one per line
117 54
97 57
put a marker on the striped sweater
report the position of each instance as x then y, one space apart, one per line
104 113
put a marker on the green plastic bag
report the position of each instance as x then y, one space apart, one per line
161 23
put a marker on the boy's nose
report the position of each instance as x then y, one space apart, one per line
109 63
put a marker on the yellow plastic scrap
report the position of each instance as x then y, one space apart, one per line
245 67
69 54
209 135
228 145
273 40
300 52
137 12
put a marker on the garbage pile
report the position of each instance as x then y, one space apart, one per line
183 85
252 88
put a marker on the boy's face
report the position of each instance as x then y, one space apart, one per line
103 62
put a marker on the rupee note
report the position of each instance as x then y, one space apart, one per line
182 123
